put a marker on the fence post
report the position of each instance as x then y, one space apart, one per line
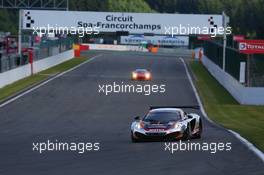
225 22
20 32
248 70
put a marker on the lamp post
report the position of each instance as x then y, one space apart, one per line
225 22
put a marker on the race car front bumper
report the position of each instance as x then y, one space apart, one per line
166 134
140 77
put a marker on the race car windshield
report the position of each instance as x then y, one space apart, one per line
141 71
162 117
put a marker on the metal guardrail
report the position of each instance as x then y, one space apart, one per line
214 51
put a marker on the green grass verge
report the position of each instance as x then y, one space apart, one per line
222 108
20 85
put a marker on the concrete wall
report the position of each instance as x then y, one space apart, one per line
13 75
244 95
43 64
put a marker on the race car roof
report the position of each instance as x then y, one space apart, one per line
166 110
175 107
141 70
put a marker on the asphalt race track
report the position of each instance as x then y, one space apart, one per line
70 109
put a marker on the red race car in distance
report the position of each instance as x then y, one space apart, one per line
141 74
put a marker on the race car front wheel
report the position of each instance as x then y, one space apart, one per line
187 133
198 135
133 139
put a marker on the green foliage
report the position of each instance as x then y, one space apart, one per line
110 5
128 6
246 17
9 21
209 6
88 5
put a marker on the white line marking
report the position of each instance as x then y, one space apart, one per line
250 146
258 152
195 91
45 82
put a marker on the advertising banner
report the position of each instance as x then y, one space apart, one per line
135 23
251 46
157 40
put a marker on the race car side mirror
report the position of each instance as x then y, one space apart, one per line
137 118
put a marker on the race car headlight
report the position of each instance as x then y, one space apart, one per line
134 75
148 75
140 125
177 125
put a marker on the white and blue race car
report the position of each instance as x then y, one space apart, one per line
167 123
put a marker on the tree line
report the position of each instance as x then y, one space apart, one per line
246 17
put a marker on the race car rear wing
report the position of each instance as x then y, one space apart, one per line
181 107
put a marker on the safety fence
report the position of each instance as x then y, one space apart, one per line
41 50
255 72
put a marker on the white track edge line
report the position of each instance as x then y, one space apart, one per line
248 144
45 82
